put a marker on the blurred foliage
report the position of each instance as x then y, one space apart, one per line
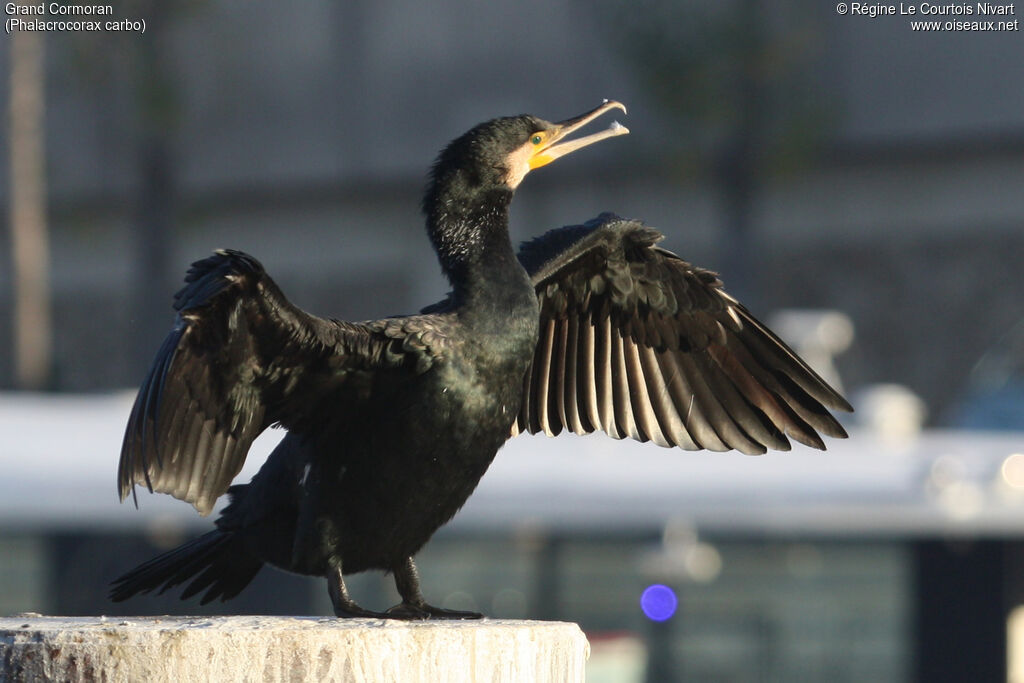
729 69
99 61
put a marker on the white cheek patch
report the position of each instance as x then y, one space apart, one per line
516 175
518 165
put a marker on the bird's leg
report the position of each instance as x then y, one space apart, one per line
344 605
413 606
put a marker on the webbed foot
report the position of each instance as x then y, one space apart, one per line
405 610
413 606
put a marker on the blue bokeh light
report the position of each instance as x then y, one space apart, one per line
658 602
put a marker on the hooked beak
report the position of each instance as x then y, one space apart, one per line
552 148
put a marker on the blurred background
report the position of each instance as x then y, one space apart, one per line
857 183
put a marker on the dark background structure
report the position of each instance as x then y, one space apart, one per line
818 161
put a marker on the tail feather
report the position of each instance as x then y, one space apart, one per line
223 570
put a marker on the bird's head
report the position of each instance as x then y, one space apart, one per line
474 177
499 153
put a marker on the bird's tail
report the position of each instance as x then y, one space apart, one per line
216 562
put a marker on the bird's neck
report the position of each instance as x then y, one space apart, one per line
470 235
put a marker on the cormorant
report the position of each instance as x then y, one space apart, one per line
392 423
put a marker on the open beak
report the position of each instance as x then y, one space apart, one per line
551 147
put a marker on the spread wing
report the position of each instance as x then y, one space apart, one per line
636 342
241 358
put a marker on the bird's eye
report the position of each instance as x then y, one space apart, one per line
536 139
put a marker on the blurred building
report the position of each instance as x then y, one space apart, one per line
883 172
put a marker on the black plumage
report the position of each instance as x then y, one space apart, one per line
392 423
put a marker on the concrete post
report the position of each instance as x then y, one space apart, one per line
293 649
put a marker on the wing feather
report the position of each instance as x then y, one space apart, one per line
605 381
570 397
586 387
644 409
556 405
703 414
542 375
669 419
735 419
622 402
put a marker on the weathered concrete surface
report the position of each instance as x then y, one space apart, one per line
293 649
